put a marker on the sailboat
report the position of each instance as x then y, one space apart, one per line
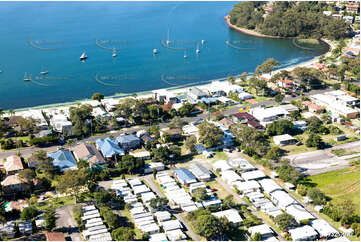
197 50
83 56
114 53
44 72
26 77
185 55
155 51
202 41
168 40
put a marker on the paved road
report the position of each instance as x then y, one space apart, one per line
320 161
66 222
26 152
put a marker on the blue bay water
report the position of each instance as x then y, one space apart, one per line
138 26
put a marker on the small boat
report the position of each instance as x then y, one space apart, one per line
168 42
202 41
44 72
197 50
114 53
185 55
155 51
83 56
27 78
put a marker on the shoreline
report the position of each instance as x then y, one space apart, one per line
183 88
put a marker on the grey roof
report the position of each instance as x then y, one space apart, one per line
196 91
127 139
198 169
184 174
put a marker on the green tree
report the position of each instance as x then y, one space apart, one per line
190 143
288 173
267 66
314 140
82 164
98 96
279 97
72 181
123 234
29 213
256 237
27 174
50 219
81 118
285 221
186 109
274 153
316 195
280 126
200 194
207 226
159 203
209 135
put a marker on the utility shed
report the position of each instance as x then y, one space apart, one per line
284 139
304 233
201 172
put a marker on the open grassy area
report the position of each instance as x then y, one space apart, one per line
339 185
342 152
138 232
221 192
55 202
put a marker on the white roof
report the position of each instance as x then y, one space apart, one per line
284 137
174 235
242 163
171 225
147 196
324 229
162 215
269 185
282 198
231 215
263 229
153 227
222 165
248 185
251 175
266 113
134 182
158 237
230 176
298 212
140 189
305 232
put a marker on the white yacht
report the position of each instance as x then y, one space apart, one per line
83 56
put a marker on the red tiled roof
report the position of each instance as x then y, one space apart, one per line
54 236
244 115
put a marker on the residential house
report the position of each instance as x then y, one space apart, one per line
142 154
313 107
174 134
246 118
64 160
146 139
201 172
244 96
247 187
184 176
289 107
303 233
109 148
352 52
268 9
196 93
13 165
223 88
61 124
128 142
299 213
231 215
267 115
54 236
286 83
148 168
190 129
89 153
14 184
221 166
353 7
253 175
226 123
282 199
263 229
162 95
324 229
231 177
284 139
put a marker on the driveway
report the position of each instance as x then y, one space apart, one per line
66 223
321 161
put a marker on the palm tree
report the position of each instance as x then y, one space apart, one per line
11 112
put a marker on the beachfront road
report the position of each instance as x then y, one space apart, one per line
26 152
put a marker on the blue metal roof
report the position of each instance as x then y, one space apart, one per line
63 159
127 139
184 174
109 147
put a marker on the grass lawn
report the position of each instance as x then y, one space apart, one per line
342 152
221 192
56 202
138 232
340 185
220 155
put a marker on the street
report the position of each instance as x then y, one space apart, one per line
66 223
321 161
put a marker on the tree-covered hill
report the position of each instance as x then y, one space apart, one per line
289 19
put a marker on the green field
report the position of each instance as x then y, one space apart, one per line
340 185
